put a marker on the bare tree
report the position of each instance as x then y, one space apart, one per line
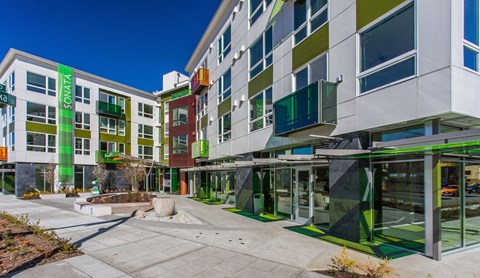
134 172
100 172
49 173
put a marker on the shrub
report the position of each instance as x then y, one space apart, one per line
343 262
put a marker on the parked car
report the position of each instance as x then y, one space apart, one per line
473 189
451 190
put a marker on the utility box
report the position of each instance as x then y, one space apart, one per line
258 203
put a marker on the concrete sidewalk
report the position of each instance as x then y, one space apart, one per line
226 245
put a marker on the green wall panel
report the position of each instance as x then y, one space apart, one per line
145 142
82 133
40 128
311 47
224 107
369 10
113 138
260 82
204 121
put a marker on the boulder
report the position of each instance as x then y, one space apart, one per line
164 206
140 213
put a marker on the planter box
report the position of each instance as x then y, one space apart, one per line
53 196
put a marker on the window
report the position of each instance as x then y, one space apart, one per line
202 105
309 15
257 7
387 50
11 82
145 131
39 142
121 127
225 86
11 114
145 110
11 141
224 44
108 146
82 146
82 120
180 144
225 128
180 116
121 148
82 94
314 71
166 152
261 54
41 113
145 152
471 43
261 110
121 103
41 84
166 119
108 125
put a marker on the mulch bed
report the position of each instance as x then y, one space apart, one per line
21 248
138 197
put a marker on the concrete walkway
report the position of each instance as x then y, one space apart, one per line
226 245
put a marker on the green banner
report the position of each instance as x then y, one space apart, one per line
65 125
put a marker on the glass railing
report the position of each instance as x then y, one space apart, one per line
3 153
109 109
200 80
312 105
108 157
200 149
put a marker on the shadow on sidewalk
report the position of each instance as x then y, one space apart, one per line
100 231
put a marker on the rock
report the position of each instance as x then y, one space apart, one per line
164 206
140 213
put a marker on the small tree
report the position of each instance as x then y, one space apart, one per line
100 172
134 172
49 174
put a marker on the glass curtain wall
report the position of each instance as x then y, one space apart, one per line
399 211
321 210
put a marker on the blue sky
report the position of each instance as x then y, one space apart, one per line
133 42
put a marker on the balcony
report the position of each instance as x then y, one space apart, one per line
3 153
109 109
108 157
313 105
200 149
200 81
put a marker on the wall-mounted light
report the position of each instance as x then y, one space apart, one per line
243 98
235 11
235 103
242 49
339 79
211 46
211 119
235 57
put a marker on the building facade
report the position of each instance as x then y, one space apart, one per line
74 120
357 116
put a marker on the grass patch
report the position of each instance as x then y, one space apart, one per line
213 201
376 249
264 217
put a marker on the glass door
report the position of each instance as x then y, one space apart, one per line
451 227
472 203
302 195
283 193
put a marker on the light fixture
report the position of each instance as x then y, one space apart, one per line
235 11
235 57
339 79
211 119
211 46
243 98
235 103
242 49
212 82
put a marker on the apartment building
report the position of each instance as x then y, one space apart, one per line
357 116
72 119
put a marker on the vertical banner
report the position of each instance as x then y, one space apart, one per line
65 125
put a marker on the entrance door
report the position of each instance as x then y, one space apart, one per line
303 187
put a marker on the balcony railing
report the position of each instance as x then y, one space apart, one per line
200 149
109 109
313 105
108 157
200 80
3 153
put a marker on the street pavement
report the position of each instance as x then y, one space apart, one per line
225 245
